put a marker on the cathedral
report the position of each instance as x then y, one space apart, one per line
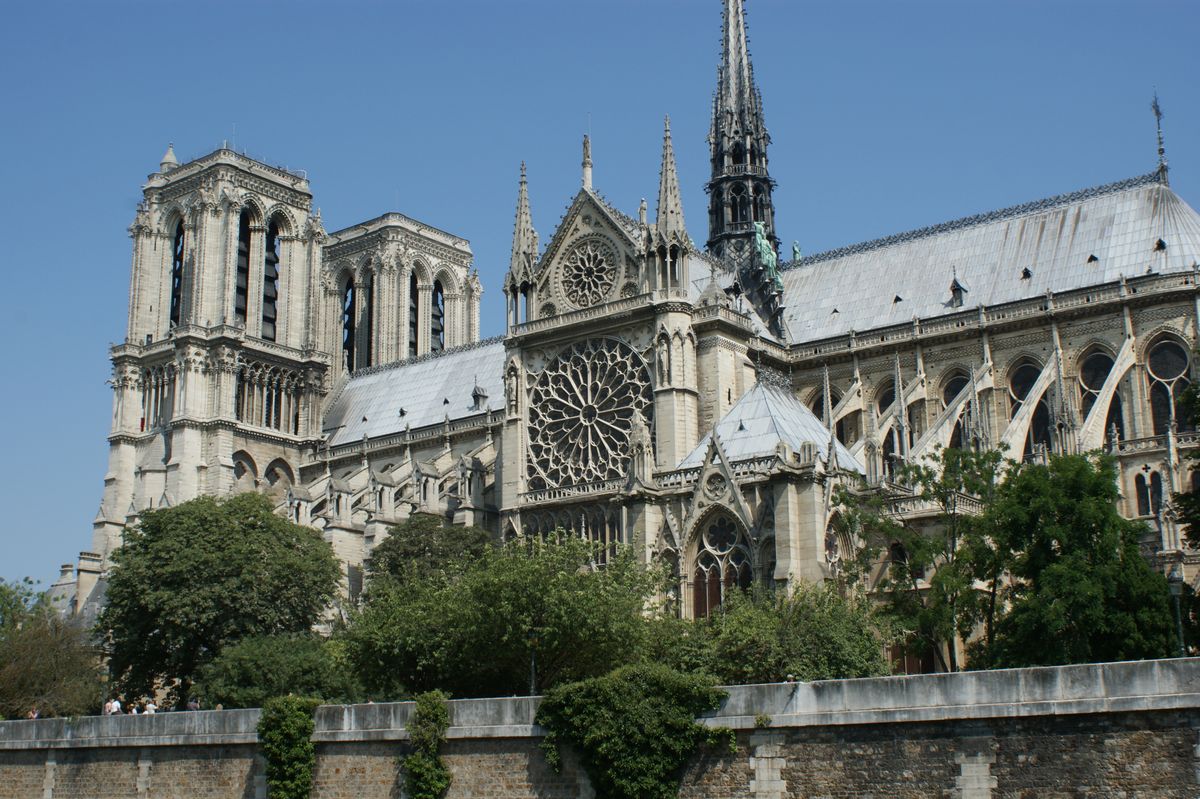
699 404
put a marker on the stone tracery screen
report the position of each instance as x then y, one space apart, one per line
583 410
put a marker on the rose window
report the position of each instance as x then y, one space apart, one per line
589 273
583 409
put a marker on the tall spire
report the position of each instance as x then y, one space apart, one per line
669 216
740 188
525 238
735 88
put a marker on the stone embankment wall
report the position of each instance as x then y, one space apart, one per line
1111 730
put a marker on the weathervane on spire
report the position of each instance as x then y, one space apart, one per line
1162 150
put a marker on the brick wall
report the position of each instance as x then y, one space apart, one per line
1116 730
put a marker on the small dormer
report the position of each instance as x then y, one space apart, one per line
957 294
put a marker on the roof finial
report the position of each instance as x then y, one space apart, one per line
1162 150
587 162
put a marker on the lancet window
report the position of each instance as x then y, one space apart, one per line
271 276
241 288
177 259
348 325
368 320
722 564
412 315
437 319
1169 369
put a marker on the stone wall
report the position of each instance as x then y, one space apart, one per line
1112 730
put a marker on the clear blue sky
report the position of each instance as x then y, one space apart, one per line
885 116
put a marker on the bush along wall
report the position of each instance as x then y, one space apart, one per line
426 776
634 728
285 732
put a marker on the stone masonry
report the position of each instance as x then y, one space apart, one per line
1110 730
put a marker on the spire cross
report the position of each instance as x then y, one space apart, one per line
1162 150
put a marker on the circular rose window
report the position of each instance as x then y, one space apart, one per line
582 410
589 273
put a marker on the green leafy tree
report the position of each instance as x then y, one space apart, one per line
477 632
424 543
17 600
1081 590
933 558
193 579
47 663
253 670
815 633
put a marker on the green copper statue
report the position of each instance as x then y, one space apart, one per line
766 254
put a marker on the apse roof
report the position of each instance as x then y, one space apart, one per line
384 400
764 417
1057 244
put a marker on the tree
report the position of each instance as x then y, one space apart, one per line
813 634
933 559
47 663
1081 590
253 670
193 579
478 632
17 600
424 543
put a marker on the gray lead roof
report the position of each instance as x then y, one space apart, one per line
429 389
765 416
1066 242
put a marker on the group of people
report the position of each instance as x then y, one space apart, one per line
114 707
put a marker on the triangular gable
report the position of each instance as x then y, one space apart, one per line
716 487
568 229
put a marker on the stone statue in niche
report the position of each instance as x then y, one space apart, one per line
663 362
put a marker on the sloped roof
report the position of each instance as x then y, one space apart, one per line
765 416
428 389
1066 242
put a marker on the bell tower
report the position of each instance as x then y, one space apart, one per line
740 187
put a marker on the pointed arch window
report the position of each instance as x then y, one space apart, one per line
241 286
412 315
1093 373
437 319
1020 384
177 251
1169 368
271 276
722 564
950 391
368 318
348 325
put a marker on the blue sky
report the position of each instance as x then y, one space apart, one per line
885 116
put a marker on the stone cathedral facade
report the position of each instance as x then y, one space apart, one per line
699 404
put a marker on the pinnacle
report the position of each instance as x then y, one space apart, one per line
669 219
